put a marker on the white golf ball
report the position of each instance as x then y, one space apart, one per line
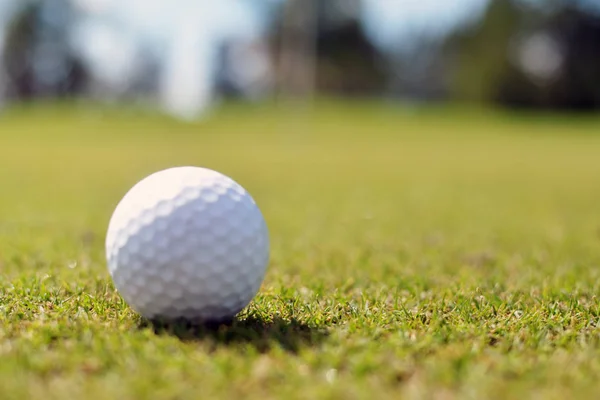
188 243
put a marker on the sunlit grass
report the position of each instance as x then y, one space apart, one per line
431 253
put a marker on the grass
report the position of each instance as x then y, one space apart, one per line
418 253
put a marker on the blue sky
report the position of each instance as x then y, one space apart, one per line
387 21
393 22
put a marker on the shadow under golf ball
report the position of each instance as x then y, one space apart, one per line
260 333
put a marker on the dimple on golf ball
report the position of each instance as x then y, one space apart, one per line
187 243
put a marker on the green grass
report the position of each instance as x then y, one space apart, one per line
431 254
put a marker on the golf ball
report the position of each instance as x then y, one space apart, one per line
187 243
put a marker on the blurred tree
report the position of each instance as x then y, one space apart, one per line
524 55
479 53
16 57
37 57
323 48
294 47
557 66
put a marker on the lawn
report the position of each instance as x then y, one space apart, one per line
427 253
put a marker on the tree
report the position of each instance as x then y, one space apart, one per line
478 54
569 73
37 58
517 56
323 48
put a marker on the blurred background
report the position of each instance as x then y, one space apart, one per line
184 57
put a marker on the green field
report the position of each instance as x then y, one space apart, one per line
424 253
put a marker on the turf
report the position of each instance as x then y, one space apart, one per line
426 253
